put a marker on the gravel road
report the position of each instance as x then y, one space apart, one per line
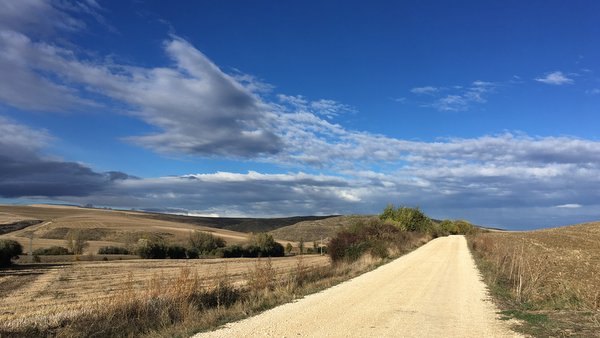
434 291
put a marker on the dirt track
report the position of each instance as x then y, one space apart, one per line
434 291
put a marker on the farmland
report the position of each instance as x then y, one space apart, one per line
550 276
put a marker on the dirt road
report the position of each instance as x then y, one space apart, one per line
434 291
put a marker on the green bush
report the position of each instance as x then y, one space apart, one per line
458 227
9 249
205 243
407 219
113 250
51 251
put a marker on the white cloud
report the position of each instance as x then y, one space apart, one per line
555 78
569 206
428 90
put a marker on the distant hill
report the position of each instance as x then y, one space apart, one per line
314 230
236 224
49 225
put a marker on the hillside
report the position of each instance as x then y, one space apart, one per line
51 223
235 224
315 230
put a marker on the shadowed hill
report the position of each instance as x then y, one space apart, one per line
314 230
236 224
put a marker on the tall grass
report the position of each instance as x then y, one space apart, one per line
531 275
185 304
509 266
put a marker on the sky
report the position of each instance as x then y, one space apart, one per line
477 110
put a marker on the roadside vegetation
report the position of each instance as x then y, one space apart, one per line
548 279
185 304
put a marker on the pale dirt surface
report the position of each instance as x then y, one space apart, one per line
434 291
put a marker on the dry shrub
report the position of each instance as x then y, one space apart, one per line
263 276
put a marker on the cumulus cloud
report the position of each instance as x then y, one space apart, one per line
555 78
25 173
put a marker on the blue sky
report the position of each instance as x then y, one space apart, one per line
467 109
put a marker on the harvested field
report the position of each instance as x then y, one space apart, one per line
43 295
551 272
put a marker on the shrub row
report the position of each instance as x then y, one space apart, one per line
51 251
113 250
206 244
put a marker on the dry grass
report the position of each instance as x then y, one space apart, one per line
158 298
553 272
48 295
180 303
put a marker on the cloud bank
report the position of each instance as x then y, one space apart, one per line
197 109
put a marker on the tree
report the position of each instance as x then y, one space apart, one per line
301 245
288 248
205 243
9 249
75 241
264 245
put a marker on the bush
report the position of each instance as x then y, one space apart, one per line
374 236
113 250
230 251
9 249
205 243
51 251
152 248
288 248
459 227
408 219
266 246
192 253
176 252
